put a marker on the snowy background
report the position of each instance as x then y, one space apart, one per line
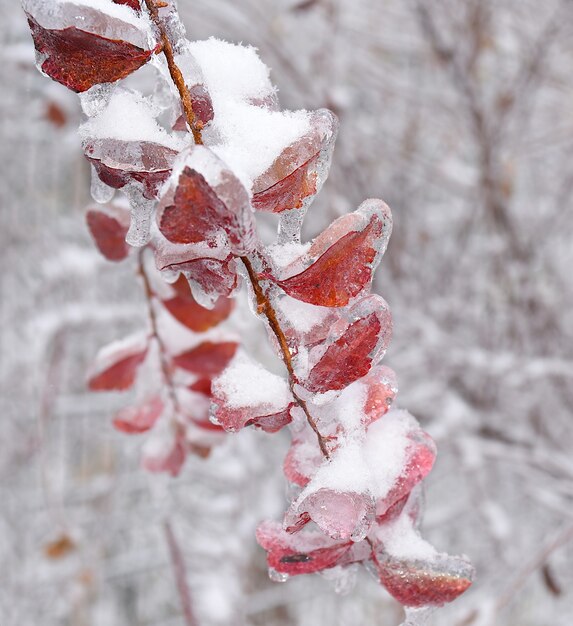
456 113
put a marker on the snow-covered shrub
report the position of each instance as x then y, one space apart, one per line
197 157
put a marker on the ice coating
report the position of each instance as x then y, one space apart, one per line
129 117
100 17
204 201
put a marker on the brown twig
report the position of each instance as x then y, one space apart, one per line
167 48
178 565
265 307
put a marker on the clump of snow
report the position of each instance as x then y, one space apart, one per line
232 71
286 253
129 116
250 138
245 383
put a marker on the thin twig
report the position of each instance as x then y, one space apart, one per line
163 352
167 48
265 307
178 566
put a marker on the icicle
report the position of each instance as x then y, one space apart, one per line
290 224
417 616
141 211
95 100
100 192
277 577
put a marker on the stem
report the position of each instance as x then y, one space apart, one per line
163 352
176 75
263 302
265 307
178 565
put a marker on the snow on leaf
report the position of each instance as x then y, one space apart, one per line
297 174
208 358
79 60
108 227
115 367
347 266
302 461
245 394
139 418
356 350
420 583
206 202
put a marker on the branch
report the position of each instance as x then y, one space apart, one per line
167 48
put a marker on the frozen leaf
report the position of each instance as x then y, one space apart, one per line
341 515
347 266
119 163
306 552
79 59
108 227
116 365
247 394
381 390
356 350
139 418
297 174
208 358
205 203
419 583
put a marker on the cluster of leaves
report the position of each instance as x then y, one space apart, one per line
355 462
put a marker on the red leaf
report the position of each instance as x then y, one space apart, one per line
346 267
205 202
382 389
108 229
299 171
79 59
187 311
352 355
203 385
119 163
116 365
419 583
208 358
301 462
139 419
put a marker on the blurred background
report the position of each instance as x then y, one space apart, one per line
459 114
